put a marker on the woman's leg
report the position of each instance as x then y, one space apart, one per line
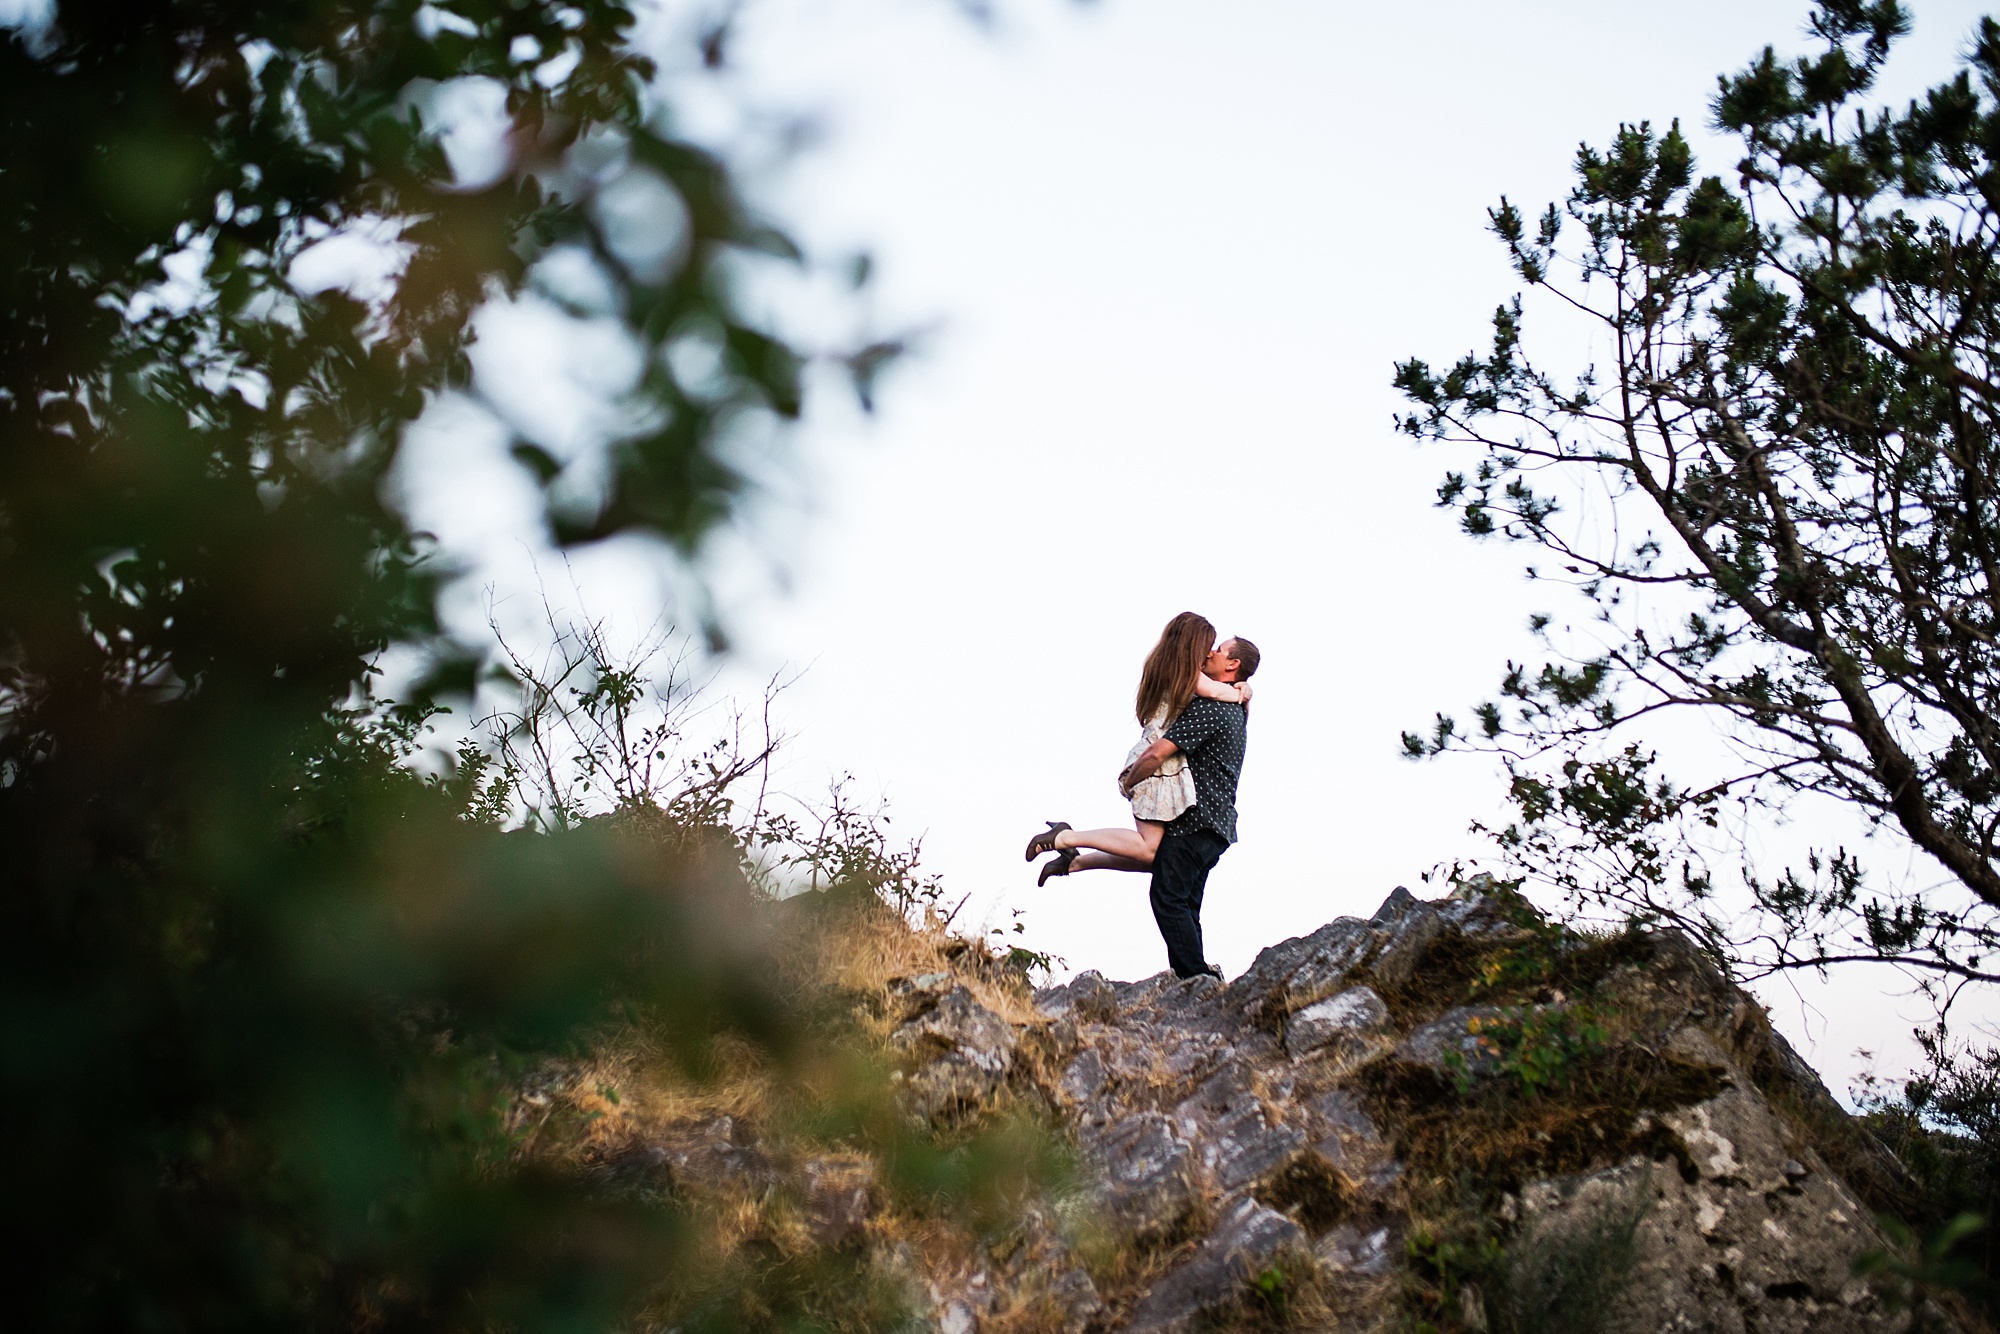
1133 846
1105 861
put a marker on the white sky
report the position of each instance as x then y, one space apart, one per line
1172 250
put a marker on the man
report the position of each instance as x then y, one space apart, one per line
1212 735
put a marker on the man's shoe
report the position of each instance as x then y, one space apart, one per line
1215 973
1045 841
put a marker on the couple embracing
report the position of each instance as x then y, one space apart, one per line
1193 707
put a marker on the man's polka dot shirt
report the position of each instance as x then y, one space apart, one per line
1212 734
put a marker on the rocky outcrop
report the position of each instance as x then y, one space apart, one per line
1451 1113
1269 1129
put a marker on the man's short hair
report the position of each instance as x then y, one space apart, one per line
1246 655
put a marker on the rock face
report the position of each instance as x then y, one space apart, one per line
1145 1175
1757 1241
1249 1131
1744 1236
1215 1116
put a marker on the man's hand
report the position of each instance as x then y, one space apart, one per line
1149 762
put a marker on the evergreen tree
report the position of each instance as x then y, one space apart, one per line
1780 502
1778 498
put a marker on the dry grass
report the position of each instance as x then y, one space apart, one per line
629 1090
835 960
937 1196
1293 1294
1312 1193
860 945
1124 1273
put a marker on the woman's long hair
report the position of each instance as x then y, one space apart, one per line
1171 668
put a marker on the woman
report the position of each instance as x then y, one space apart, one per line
1171 678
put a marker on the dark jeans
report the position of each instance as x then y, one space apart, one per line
1180 874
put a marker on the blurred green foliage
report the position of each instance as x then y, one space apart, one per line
1944 1125
264 988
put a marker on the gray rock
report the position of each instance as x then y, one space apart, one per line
1474 909
1400 901
1131 1056
1146 1175
1246 1241
1348 1019
1366 1251
950 1086
1339 1113
1245 1147
1410 936
1132 995
839 1197
957 1022
1325 971
1261 986
1184 1005
1188 1056
1221 1093
1191 991
965 1052
1692 970
1351 1144
1695 1047
1875 1168
714 1155
1733 1137
1082 1079
1237 1142
1454 1043
1087 996
1186 1106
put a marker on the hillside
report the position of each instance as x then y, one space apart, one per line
1453 1115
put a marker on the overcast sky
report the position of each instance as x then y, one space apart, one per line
1169 251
